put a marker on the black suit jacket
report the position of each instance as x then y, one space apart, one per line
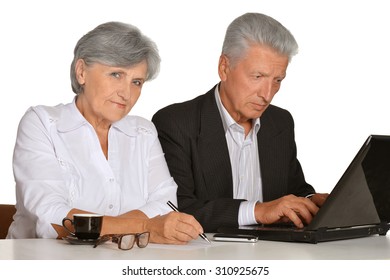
194 143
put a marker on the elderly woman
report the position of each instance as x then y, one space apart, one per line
89 156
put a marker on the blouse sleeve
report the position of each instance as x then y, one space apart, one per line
40 184
161 186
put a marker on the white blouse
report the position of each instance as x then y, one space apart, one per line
59 165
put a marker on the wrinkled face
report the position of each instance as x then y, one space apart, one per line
248 87
109 92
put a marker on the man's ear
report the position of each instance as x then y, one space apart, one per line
223 67
80 71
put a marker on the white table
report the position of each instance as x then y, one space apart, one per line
367 248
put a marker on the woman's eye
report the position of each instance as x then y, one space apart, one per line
137 82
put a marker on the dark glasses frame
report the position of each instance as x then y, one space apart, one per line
123 239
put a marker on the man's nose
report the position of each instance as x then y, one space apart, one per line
266 91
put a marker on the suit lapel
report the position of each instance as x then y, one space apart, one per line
212 148
266 138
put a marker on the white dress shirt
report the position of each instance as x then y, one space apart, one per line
59 165
244 159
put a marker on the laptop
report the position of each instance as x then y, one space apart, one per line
358 206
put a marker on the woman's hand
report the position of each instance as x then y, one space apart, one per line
173 228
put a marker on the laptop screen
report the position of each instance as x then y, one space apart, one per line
376 166
362 195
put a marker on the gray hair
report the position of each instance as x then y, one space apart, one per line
115 44
255 28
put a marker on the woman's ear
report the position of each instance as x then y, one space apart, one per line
80 71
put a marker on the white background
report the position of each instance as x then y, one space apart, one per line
337 87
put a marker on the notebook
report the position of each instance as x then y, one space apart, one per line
358 206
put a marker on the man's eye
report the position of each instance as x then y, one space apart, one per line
116 75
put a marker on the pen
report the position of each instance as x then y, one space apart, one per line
176 210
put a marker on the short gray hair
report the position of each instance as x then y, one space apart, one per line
115 44
256 28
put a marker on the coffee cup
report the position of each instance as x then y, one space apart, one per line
86 226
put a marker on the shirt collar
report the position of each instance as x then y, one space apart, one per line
131 128
72 119
227 120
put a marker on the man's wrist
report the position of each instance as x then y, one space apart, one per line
310 195
246 213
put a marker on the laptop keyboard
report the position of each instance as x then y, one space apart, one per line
280 226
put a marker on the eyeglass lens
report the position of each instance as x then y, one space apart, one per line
126 242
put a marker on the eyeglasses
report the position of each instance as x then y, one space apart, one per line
126 241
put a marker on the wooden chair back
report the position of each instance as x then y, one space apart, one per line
7 212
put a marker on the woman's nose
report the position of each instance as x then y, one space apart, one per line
125 93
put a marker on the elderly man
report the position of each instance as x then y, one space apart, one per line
232 154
